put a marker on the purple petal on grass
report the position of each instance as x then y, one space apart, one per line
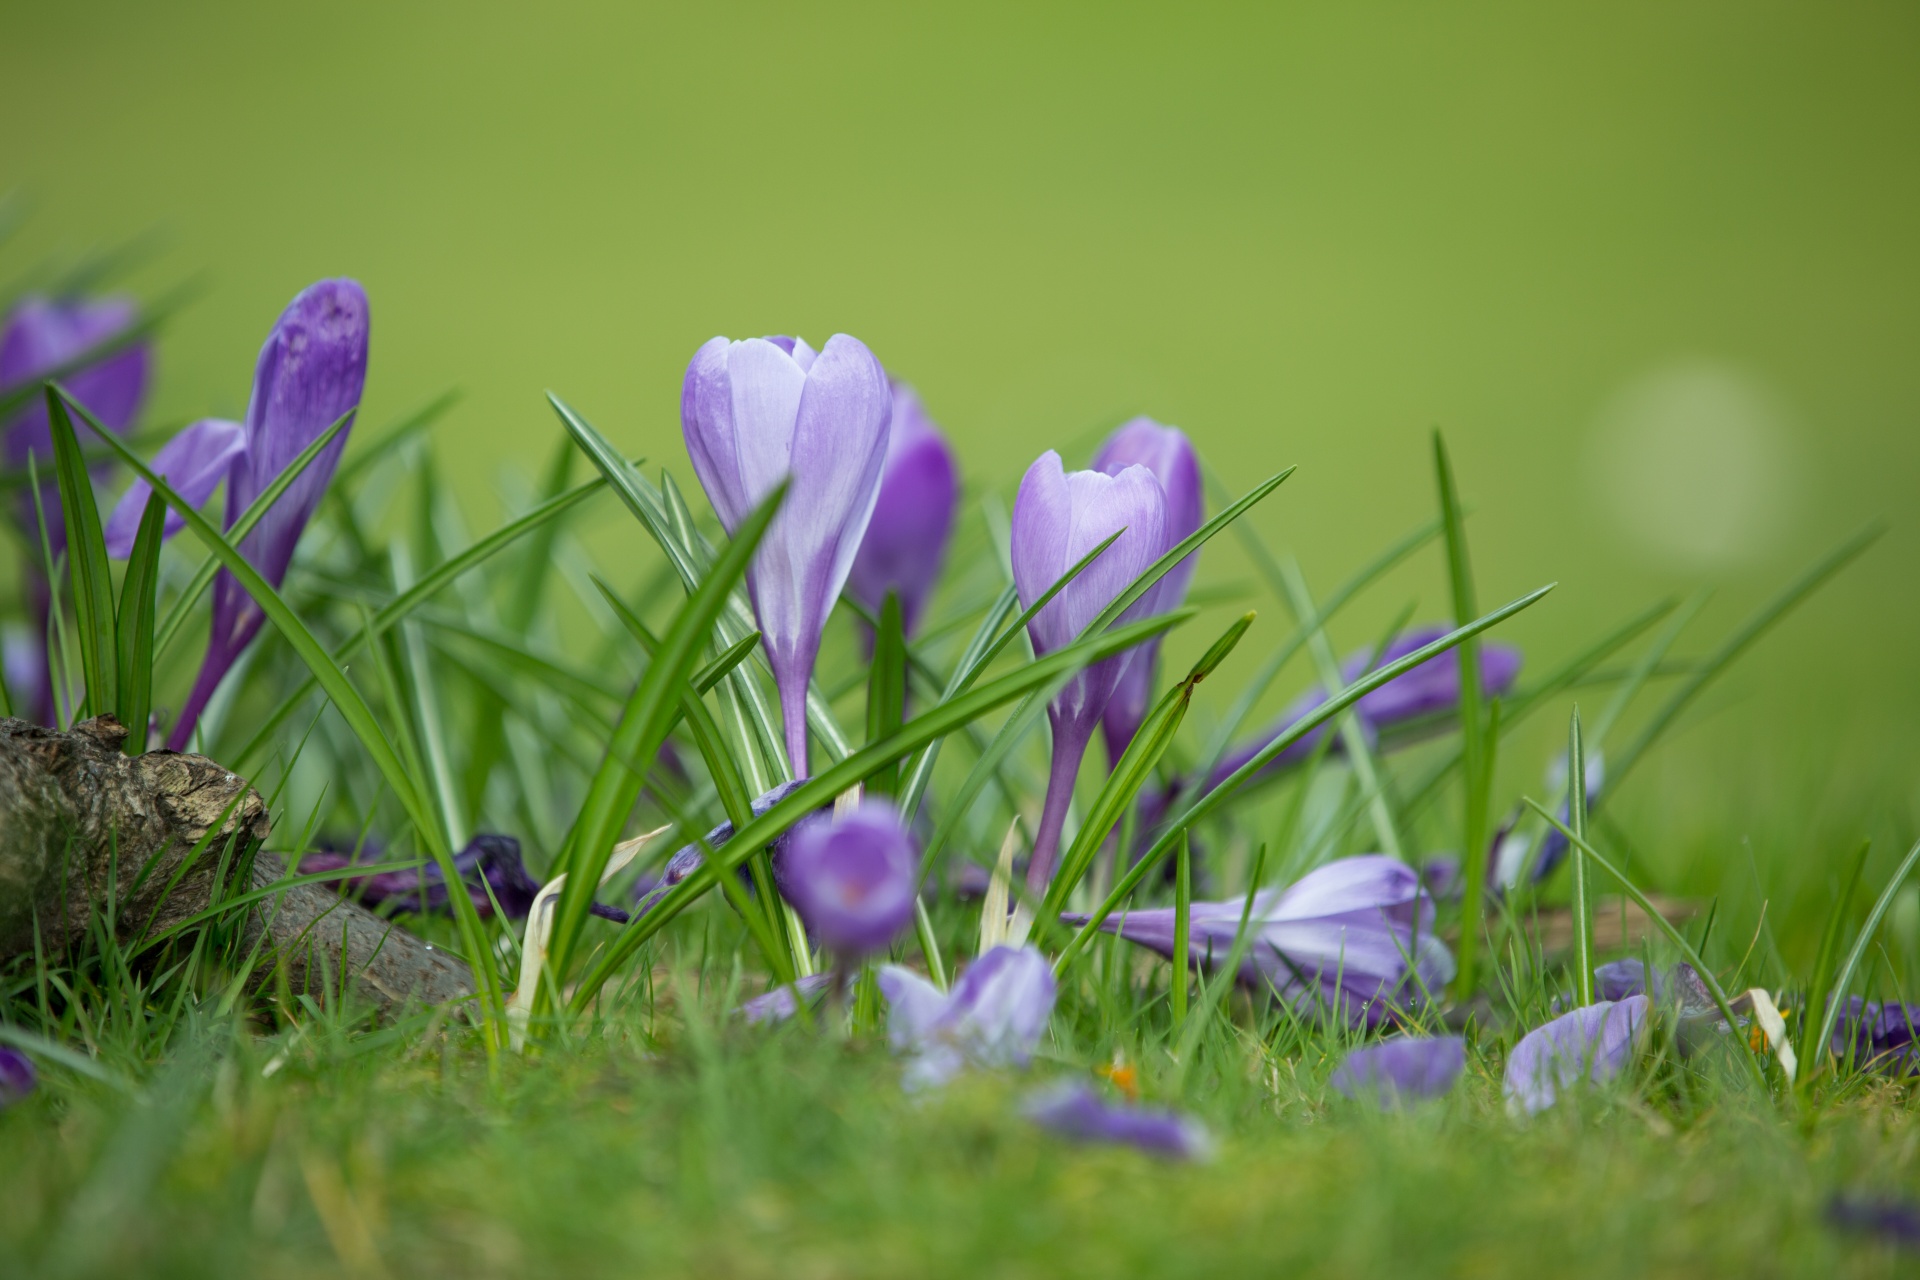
1594 1043
1891 1219
758 411
779 1004
1169 455
1073 1110
905 545
17 1076
1407 1068
1354 937
193 464
853 877
1879 1036
993 1017
309 375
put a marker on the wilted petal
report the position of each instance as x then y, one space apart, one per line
1411 1067
1594 1042
853 877
193 464
17 1076
1073 1110
906 540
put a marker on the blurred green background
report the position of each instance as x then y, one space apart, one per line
1654 267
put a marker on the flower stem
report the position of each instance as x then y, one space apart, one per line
1067 754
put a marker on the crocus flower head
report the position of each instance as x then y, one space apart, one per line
41 336
1883 1037
1409 1068
193 464
309 375
1075 1111
758 411
1354 937
993 1017
906 541
1167 453
1401 703
1058 518
1594 1042
853 877
17 1076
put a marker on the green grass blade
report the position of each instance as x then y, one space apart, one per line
887 688
1582 897
1829 1017
1182 929
364 459
1820 991
93 608
1756 626
134 641
150 321
1473 856
643 727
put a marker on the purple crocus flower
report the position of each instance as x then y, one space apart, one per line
1058 518
193 464
1411 1067
906 540
1894 1220
1880 1036
780 1004
17 1076
1594 1042
758 411
41 335
1073 1110
1167 453
993 1017
310 374
1355 937
853 877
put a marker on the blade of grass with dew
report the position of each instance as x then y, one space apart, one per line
642 728
935 722
1215 796
352 708
1475 779
1844 979
133 641
93 608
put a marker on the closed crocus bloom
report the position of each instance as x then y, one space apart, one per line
1058 518
993 1017
759 411
1354 937
1412 1067
1594 1042
193 464
1167 453
906 541
310 374
853 877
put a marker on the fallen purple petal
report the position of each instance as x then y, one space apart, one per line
1592 1043
779 1004
1075 1111
993 1017
1409 1068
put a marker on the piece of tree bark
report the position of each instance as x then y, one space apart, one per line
83 826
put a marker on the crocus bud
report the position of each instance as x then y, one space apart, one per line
193 464
1167 453
1594 1042
853 877
758 411
310 374
1058 517
906 541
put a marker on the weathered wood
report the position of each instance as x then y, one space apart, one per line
83 825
